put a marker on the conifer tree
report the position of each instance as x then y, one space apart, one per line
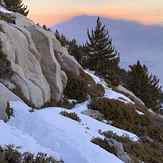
144 85
74 49
46 28
17 6
103 58
61 38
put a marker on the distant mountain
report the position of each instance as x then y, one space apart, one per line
133 40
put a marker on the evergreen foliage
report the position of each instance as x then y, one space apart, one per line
46 28
74 49
63 40
102 56
71 115
144 85
8 18
82 87
10 154
17 6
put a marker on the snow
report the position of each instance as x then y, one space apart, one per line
12 136
96 126
49 132
2 9
47 128
117 96
96 78
139 112
108 91
82 107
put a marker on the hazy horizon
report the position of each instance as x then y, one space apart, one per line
125 34
52 11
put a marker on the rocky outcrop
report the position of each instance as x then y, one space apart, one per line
28 76
131 95
5 96
38 60
94 114
119 150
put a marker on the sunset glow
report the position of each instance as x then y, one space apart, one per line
52 11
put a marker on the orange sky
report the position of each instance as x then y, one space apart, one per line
50 12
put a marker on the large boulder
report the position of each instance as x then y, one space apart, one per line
131 95
38 60
28 76
119 150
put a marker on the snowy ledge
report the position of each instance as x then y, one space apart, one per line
108 91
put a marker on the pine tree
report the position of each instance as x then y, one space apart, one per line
103 58
46 28
144 85
17 6
74 49
63 40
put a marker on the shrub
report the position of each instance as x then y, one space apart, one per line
10 154
104 144
73 116
124 116
145 150
80 88
76 89
8 18
9 111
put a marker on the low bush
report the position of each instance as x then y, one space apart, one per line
76 89
110 134
82 87
73 116
145 150
104 144
10 154
8 18
9 111
122 115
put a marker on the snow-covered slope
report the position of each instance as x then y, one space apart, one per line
108 91
48 131
134 41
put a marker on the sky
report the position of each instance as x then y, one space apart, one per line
51 12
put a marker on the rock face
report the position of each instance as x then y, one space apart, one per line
5 96
131 95
38 61
120 152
